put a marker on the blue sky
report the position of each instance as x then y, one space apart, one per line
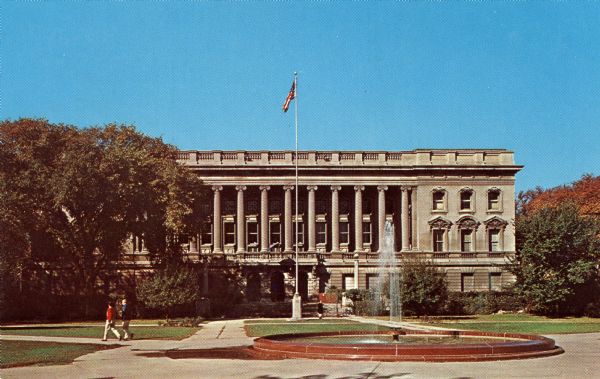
523 76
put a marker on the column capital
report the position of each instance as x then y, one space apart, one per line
264 188
288 187
217 188
405 188
311 188
382 188
336 188
359 188
241 188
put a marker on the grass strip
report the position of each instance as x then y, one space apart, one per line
140 332
25 353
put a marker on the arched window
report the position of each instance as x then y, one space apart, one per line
466 200
438 200
495 227
439 234
494 200
467 229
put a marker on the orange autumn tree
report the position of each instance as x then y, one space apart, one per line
584 193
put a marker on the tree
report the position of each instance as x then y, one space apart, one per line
423 289
70 198
584 193
558 253
175 285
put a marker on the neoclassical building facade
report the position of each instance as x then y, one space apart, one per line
454 208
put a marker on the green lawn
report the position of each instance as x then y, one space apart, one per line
522 323
140 332
24 353
264 328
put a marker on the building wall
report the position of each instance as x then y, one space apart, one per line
407 180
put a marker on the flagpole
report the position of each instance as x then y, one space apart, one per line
296 301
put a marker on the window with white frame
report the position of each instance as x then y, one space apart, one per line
321 232
438 240
299 233
495 281
206 234
466 200
494 240
438 203
344 232
347 282
274 235
494 200
467 281
466 240
366 232
252 233
229 233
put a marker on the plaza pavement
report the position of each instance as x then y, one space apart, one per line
143 359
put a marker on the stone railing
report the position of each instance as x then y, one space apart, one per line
493 157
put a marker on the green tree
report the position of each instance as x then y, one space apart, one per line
424 289
165 289
558 252
71 197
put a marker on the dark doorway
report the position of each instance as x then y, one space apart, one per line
253 287
303 285
277 286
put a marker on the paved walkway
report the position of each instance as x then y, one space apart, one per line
142 358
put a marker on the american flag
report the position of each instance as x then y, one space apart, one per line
290 97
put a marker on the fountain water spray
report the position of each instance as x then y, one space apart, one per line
388 267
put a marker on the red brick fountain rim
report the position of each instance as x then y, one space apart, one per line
523 346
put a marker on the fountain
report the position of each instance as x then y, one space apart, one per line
388 272
404 344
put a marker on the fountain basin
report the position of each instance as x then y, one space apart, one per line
424 346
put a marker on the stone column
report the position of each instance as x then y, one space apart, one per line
358 237
193 245
217 240
241 220
312 246
356 256
405 220
264 219
288 240
413 223
381 215
335 218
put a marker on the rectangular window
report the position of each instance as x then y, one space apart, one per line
495 281
300 235
344 232
372 280
321 232
494 200
347 282
465 200
229 233
438 201
466 239
274 235
206 235
467 282
438 240
494 240
252 233
366 232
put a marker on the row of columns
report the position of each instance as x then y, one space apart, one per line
311 221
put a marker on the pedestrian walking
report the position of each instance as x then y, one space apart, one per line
320 310
126 317
110 322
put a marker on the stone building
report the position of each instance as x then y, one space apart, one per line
454 208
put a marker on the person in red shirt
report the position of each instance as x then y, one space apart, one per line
110 322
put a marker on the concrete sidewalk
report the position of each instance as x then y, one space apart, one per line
143 358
